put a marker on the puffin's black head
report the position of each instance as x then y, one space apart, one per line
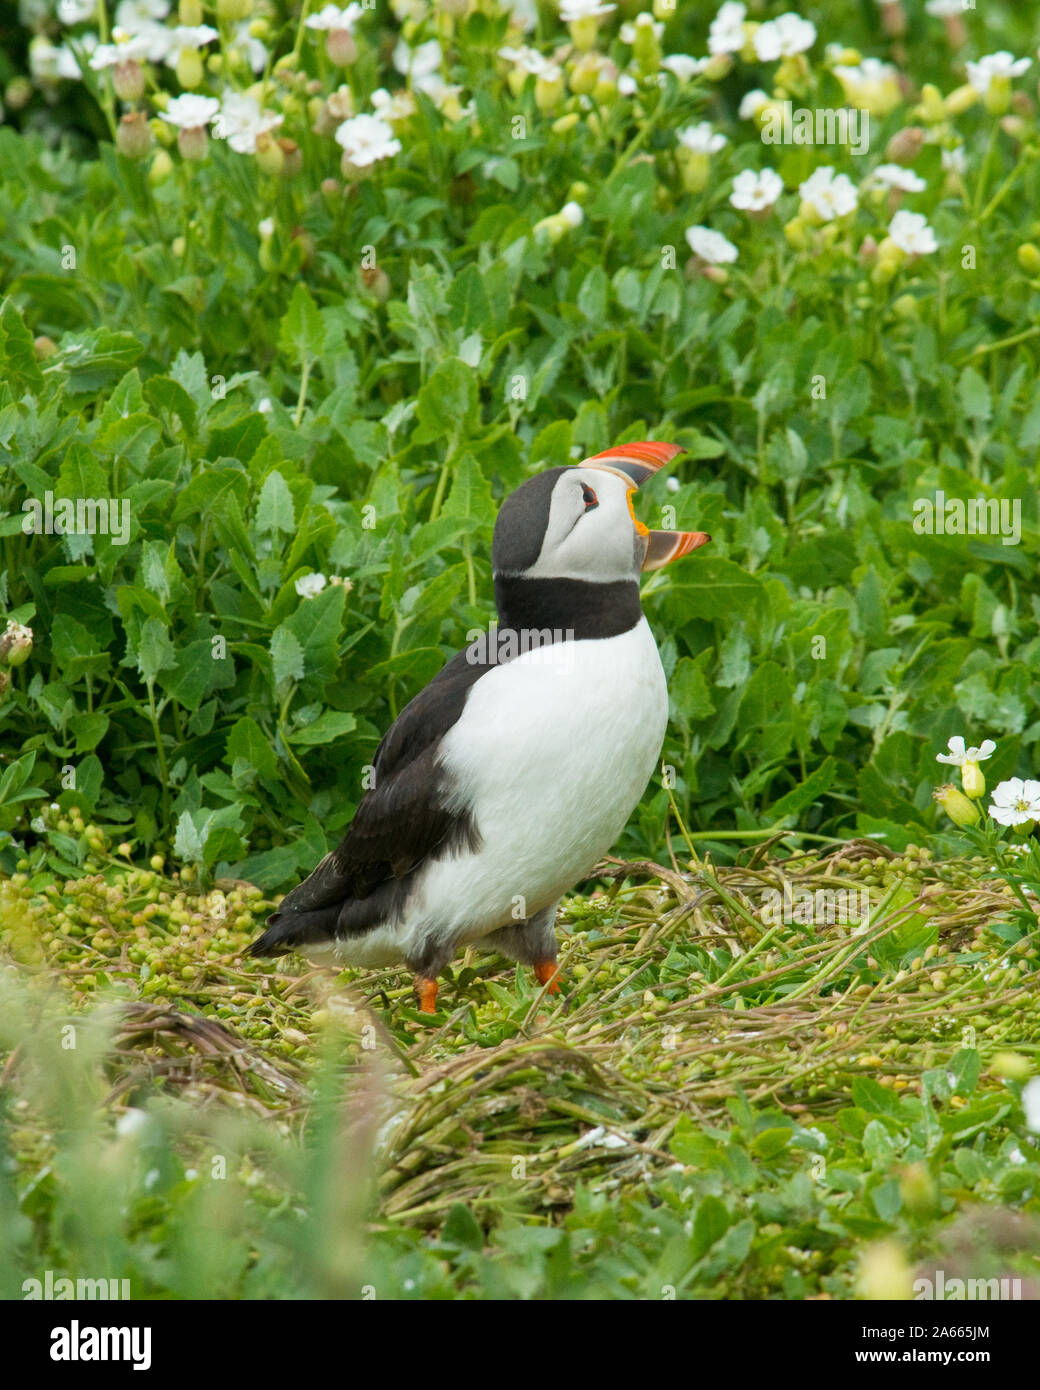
577 522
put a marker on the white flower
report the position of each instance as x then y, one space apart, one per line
752 192
1031 1104
255 51
752 104
189 112
107 55
240 121
187 38
959 754
396 106
266 228
627 32
830 195
333 18
76 11
942 8
48 62
1015 802
911 233
895 176
627 85
570 10
131 1121
420 62
683 66
784 37
309 585
572 214
367 139
954 160
711 246
526 59
726 31
701 138
523 13
131 14
1002 64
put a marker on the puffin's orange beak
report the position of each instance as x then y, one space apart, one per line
666 546
637 462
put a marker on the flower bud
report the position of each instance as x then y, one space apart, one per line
134 135
189 69
1011 1066
189 12
331 190
905 145
341 48
583 74
932 108
961 99
694 168
44 347
548 92
998 94
234 11
269 154
646 49
565 123
956 805
128 80
192 141
584 31
376 283
1029 258
16 644
161 168
292 157
973 780
18 93
867 253
795 232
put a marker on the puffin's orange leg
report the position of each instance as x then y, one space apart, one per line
547 972
426 989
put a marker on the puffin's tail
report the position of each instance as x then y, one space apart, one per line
307 915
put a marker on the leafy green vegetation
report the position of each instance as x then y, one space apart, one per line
283 391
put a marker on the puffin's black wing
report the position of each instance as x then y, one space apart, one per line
405 817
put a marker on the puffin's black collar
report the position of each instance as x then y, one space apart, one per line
574 608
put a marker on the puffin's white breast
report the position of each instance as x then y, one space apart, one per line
552 752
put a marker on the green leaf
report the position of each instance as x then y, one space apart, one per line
275 511
155 651
286 655
327 727
301 334
248 742
447 402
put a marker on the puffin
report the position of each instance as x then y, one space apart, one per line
508 777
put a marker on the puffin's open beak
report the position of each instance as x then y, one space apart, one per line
637 462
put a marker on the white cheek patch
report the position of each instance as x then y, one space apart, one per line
595 545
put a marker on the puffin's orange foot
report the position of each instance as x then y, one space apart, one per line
547 972
426 990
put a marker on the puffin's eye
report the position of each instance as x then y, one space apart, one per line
590 498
